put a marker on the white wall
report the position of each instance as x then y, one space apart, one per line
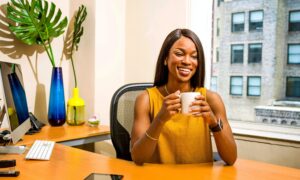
109 53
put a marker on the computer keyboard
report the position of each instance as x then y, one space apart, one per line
40 150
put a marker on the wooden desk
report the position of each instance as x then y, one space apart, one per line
71 163
69 135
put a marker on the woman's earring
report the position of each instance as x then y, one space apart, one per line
165 62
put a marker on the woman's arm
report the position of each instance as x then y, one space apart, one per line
145 134
224 139
212 109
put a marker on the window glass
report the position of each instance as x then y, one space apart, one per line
254 54
218 27
217 55
213 83
238 20
237 53
294 54
254 85
256 20
236 85
293 87
294 21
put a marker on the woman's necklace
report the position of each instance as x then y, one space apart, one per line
165 87
166 90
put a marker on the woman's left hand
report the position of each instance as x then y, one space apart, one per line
200 107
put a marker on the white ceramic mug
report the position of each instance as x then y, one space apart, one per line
186 99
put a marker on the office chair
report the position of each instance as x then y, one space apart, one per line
121 118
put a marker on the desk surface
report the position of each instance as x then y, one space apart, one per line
69 135
71 163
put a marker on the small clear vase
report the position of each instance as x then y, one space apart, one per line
76 109
57 108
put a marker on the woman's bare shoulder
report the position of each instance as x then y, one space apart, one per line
142 98
212 95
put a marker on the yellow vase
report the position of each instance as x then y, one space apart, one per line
76 109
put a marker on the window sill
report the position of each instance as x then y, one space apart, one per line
267 131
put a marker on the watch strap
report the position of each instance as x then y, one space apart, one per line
218 127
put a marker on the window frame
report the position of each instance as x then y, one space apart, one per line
290 25
231 54
250 54
232 24
286 87
248 86
262 22
230 91
288 53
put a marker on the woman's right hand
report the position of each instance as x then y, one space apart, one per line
171 105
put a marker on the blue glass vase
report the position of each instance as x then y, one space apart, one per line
57 109
19 97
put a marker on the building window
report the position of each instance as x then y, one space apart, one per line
256 20
213 83
237 53
219 2
217 55
253 86
236 85
293 87
294 21
294 54
238 22
254 53
218 26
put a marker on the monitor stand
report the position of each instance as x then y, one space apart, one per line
12 149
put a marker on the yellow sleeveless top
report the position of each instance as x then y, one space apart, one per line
184 139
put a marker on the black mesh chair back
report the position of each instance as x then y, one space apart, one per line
121 117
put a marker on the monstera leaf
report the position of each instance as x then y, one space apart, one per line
78 28
36 22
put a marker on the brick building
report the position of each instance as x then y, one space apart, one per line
256 59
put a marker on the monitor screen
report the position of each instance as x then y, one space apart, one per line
13 103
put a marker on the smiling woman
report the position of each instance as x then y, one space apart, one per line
160 133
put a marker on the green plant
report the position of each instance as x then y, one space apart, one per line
77 33
36 23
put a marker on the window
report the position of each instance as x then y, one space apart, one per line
217 55
218 26
219 2
254 53
236 85
294 21
253 86
256 20
213 83
237 53
238 20
293 87
294 54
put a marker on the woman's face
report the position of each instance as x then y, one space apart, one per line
182 60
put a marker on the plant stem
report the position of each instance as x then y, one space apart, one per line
75 115
50 55
13 68
75 79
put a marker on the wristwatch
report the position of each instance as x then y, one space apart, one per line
218 127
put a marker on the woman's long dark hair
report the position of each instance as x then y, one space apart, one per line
161 72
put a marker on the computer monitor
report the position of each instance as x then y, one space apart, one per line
13 104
